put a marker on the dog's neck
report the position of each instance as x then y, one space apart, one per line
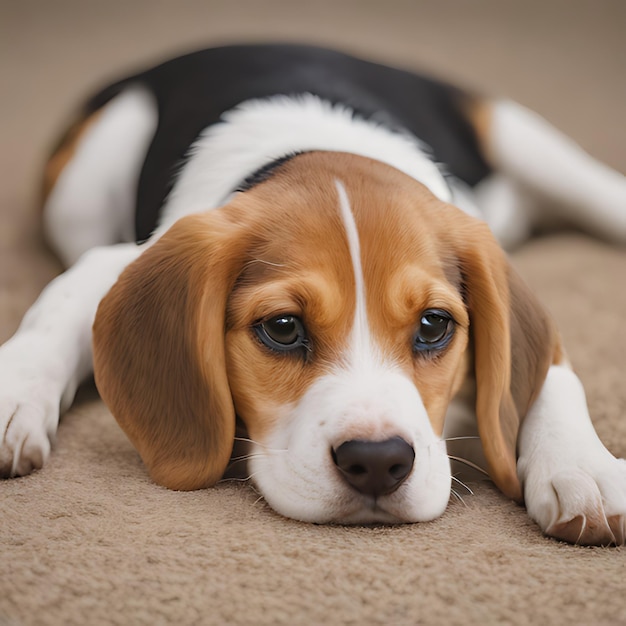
258 132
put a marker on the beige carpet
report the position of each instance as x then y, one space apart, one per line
90 540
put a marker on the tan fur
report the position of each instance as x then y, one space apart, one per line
513 341
535 344
176 356
159 351
299 265
478 111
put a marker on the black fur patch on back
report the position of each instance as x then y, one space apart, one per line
193 91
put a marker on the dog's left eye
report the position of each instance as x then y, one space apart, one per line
435 330
282 333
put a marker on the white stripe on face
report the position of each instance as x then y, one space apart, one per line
361 343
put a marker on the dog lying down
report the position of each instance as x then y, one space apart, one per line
306 244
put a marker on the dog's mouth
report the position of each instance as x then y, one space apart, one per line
368 512
362 509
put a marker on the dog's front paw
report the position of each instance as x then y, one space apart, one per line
25 442
583 504
29 410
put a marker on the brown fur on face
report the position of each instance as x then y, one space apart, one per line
306 270
176 355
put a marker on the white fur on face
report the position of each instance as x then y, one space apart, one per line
361 343
366 397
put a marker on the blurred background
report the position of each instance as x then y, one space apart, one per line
565 58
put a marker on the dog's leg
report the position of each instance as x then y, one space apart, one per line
574 488
91 181
548 178
42 365
92 198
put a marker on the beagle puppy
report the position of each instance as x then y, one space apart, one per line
305 247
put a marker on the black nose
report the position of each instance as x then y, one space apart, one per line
374 467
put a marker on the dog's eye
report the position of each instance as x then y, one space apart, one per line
282 333
435 330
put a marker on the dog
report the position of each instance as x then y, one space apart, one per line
307 248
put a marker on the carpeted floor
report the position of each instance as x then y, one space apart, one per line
89 540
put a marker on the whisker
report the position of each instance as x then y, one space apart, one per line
242 459
459 438
264 263
236 460
458 497
246 457
460 482
233 480
469 464
246 439
238 480
257 443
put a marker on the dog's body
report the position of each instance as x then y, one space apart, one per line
306 272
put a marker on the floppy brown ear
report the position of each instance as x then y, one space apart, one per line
514 342
158 344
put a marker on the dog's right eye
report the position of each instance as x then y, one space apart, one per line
282 333
435 331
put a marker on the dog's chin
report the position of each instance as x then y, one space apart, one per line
358 515
355 509
370 514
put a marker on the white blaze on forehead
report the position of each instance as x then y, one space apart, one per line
360 330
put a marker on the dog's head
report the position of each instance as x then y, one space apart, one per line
335 308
